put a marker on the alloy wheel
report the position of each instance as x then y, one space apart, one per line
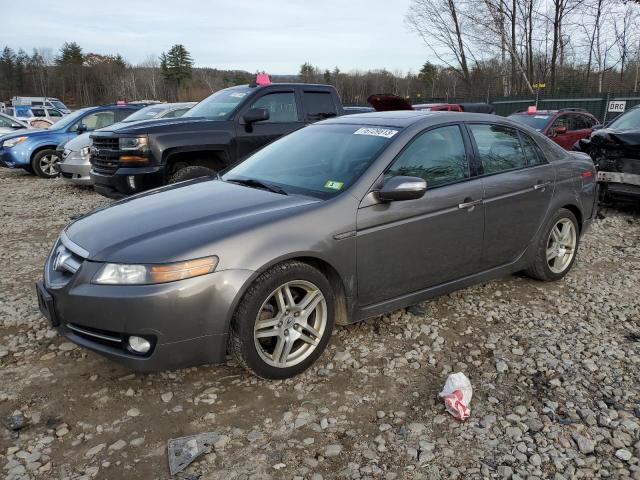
49 164
290 323
561 245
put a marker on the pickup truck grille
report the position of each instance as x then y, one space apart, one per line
105 156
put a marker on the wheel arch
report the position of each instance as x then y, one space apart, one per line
577 212
40 148
209 158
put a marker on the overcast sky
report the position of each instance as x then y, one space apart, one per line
272 35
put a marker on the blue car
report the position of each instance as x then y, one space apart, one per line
35 150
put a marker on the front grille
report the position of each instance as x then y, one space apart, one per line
65 260
105 156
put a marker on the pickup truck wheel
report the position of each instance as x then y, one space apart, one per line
189 173
557 248
45 163
283 322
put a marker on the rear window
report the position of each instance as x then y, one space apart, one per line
318 105
534 121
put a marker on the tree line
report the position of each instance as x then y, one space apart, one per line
477 50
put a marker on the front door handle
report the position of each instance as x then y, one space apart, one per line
541 186
470 204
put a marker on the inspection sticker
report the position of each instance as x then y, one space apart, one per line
543 117
237 94
333 185
376 132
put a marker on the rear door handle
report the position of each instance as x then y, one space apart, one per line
541 186
470 204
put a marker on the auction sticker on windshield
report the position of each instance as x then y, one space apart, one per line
333 185
376 132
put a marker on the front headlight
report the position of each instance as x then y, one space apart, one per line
133 143
121 274
12 142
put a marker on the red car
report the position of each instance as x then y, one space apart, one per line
565 126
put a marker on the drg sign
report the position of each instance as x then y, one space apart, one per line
617 106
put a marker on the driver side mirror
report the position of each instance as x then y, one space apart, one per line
81 128
560 130
255 115
401 188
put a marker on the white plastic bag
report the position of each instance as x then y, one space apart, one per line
457 393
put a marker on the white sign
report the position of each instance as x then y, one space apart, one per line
617 106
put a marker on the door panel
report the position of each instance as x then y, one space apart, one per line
403 247
515 205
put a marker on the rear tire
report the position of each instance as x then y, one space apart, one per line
45 163
557 247
189 173
283 322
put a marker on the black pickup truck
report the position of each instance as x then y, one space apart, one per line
224 128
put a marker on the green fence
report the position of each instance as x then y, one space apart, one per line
596 104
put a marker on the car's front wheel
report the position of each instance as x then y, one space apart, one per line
45 163
557 247
284 321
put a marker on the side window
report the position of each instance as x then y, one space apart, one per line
281 106
122 113
437 155
318 105
5 122
499 148
590 121
54 113
93 121
531 151
562 121
38 112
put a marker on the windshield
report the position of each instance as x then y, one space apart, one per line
627 121
320 160
535 121
152 111
220 104
58 104
68 120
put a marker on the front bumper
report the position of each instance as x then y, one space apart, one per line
14 157
75 169
186 321
620 183
127 181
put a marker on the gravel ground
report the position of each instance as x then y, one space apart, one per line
554 369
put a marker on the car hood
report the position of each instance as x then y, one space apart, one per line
178 222
385 102
161 125
77 143
31 132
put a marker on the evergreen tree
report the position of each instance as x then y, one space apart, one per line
176 65
70 54
307 72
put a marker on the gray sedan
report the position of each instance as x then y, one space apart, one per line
75 165
343 220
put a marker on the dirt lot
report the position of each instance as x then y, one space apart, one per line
554 369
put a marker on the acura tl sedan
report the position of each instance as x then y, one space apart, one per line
343 220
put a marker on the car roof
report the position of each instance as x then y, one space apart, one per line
406 118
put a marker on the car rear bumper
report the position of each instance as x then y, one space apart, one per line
127 181
186 321
620 184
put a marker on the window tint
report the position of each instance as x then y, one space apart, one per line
281 106
37 112
562 121
499 148
438 156
54 113
318 105
5 122
531 151
577 122
590 121
93 121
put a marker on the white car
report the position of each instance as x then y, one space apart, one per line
10 124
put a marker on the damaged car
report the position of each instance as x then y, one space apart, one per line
615 151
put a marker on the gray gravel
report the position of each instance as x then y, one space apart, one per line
554 369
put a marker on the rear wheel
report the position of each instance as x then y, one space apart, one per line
189 173
283 322
45 163
557 247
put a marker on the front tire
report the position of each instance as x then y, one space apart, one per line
557 248
283 322
45 163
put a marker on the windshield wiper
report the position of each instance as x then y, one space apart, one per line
253 183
